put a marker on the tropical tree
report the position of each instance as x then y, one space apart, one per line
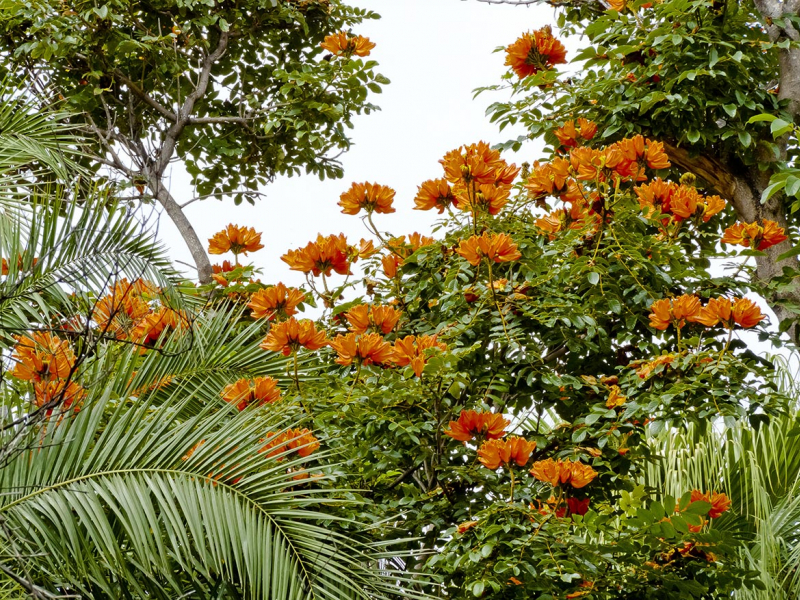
718 83
239 93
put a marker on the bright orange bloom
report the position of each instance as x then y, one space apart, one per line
645 368
380 319
366 248
655 156
713 205
150 328
244 392
404 248
289 336
412 351
275 301
720 503
301 440
371 197
495 453
239 240
119 315
684 202
677 311
717 310
615 397
42 357
341 43
434 193
617 5
326 254
56 394
535 51
365 349
752 234
495 247
569 135
656 195
477 424
390 264
548 178
746 313
562 472
487 198
140 287
466 526
473 164
587 163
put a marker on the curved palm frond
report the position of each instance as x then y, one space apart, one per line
123 499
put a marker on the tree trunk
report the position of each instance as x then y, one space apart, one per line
193 242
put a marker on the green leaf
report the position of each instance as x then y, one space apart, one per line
780 127
761 117
477 589
744 138
698 507
593 277
788 254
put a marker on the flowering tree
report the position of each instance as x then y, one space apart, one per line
239 92
498 384
717 83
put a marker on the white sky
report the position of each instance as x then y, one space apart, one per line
435 52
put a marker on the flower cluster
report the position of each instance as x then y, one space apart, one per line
379 319
471 424
414 351
563 472
678 201
400 249
239 240
434 193
275 301
301 441
326 254
244 392
345 45
48 362
624 160
535 51
571 136
371 197
753 235
365 349
495 453
494 247
687 309
289 336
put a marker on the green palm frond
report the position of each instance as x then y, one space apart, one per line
109 503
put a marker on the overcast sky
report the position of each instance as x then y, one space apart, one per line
435 52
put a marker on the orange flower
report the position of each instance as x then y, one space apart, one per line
568 134
289 336
239 240
322 256
562 472
390 264
645 368
471 424
244 392
655 156
341 43
752 234
615 397
587 163
301 440
487 198
548 178
120 314
677 311
42 357
275 301
434 193
140 287
720 503
404 249
150 328
717 310
472 164
466 526
535 51
713 205
369 196
496 247
412 351
684 202
380 319
366 349
20 264
58 393
495 453
617 5
656 195
746 313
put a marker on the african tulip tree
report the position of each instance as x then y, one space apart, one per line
718 83
239 92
